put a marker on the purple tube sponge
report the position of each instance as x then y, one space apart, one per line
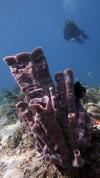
52 114
78 161
70 97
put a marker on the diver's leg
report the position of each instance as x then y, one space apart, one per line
84 35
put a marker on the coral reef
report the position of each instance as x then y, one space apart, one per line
92 95
52 114
93 109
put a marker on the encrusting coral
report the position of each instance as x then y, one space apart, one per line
52 114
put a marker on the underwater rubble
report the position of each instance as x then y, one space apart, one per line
55 133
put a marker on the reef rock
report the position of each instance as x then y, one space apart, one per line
92 95
93 109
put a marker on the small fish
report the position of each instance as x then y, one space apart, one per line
91 75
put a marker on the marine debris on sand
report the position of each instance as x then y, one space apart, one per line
53 117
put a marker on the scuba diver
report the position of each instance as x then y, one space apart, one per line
73 33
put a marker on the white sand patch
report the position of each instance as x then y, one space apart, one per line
3 120
16 165
8 130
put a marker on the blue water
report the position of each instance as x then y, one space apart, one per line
25 25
